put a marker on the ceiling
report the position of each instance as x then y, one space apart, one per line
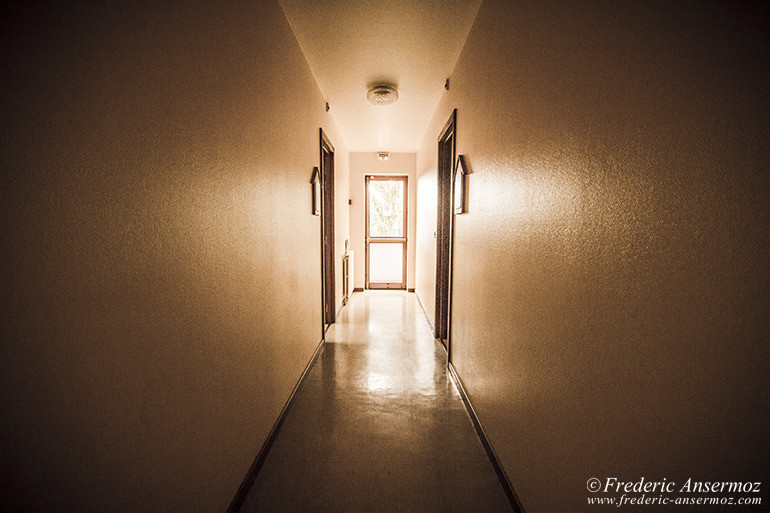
351 45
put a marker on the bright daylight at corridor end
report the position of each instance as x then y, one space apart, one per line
393 256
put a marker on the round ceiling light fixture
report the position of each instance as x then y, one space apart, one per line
382 95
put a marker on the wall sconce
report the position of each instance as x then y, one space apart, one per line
461 186
315 181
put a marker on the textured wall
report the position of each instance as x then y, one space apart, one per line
161 269
611 281
366 163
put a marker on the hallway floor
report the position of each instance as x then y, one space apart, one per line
377 424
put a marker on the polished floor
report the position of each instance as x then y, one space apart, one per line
377 425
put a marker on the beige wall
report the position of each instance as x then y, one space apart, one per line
161 267
361 165
427 204
341 209
611 283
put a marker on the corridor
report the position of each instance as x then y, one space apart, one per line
190 189
377 425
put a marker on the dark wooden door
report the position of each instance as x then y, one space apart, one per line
327 229
446 158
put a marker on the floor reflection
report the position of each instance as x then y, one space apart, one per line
377 426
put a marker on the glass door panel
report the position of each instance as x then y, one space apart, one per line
386 231
386 208
386 262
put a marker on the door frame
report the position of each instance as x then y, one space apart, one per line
328 281
447 155
403 240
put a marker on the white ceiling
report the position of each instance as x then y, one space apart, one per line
353 44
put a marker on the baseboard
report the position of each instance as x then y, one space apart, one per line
424 311
358 289
251 475
501 475
513 500
410 290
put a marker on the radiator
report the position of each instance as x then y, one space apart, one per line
347 276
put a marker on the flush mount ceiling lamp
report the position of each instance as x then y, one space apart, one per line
382 95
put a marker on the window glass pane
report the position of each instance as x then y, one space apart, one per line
386 264
386 208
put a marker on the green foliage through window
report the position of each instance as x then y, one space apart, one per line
386 209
